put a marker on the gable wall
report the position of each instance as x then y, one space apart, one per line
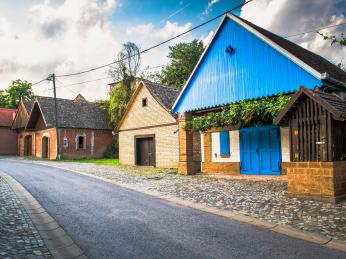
254 70
151 115
152 119
21 118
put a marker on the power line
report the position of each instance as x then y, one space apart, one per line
316 30
63 85
89 81
39 82
157 45
99 79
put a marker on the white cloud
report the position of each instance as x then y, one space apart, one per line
206 39
62 39
71 36
146 35
209 6
263 12
288 17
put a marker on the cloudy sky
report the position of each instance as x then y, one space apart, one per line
38 37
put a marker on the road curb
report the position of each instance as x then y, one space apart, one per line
59 244
286 230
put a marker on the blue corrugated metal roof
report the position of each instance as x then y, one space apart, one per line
254 70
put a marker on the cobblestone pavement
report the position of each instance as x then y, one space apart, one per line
18 236
260 197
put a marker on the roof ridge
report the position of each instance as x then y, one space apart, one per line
58 98
161 85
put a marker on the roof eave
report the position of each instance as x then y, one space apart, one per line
326 77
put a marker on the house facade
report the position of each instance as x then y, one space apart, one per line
245 62
25 137
8 137
83 129
148 130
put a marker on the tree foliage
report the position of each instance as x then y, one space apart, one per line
17 91
183 59
3 98
124 73
246 113
334 39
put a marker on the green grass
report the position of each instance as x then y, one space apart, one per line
133 170
97 161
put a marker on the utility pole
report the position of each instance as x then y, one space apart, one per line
52 78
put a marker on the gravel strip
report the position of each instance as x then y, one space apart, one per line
260 197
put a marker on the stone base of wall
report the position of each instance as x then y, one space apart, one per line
324 181
284 166
230 168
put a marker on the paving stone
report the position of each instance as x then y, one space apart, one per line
18 235
264 198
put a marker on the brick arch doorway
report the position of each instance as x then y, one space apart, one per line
45 147
28 145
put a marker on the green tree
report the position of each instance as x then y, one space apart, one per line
183 59
124 73
341 40
17 91
3 98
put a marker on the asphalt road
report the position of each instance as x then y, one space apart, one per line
107 221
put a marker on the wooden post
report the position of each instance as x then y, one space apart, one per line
56 117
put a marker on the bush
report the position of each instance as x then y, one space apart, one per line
112 150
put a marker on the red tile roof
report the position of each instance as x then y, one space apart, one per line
6 117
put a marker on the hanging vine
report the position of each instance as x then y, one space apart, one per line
247 113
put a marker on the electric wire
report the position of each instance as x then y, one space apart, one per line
316 30
156 45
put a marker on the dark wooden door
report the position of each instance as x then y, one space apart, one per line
145 151
45 147
27 146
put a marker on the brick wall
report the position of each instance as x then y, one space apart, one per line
51 135
21 137
151 115
151 119
189 157
101 139
320 180
208 166
166 145
96 142
215 163
8 141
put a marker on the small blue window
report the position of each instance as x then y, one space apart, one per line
224 143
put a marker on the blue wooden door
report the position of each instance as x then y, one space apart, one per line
260 150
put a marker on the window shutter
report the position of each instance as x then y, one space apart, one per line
224 143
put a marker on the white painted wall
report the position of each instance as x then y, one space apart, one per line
285 144
234 146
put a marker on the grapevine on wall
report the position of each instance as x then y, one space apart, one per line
247 113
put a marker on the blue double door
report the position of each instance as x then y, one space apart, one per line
260 150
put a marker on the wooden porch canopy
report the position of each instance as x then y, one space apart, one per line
317 123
